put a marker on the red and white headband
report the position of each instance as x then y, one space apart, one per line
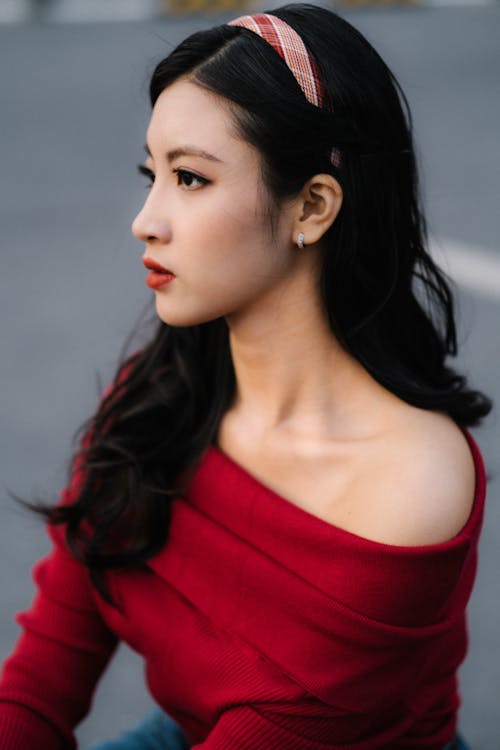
290 47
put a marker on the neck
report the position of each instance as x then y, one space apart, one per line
291 373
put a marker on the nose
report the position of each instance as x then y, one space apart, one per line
149 226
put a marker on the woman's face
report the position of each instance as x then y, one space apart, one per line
206 217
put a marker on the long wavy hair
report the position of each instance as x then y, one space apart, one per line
386 301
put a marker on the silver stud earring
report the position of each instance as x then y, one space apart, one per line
300 240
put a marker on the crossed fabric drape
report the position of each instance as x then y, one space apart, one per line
261 626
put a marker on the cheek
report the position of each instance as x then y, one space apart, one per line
238 254
226 258
235 232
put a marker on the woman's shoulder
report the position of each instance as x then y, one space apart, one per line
414 482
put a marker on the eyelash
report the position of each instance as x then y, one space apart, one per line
181 174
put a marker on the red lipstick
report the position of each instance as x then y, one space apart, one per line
158 275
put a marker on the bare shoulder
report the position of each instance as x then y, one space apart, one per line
416 482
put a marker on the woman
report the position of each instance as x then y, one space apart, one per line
277 502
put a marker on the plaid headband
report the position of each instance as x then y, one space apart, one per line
290 47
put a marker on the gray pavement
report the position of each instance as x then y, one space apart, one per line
72 123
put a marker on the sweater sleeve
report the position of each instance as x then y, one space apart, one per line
296 726
48 680
245 728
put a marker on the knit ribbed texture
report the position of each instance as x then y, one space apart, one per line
20 728
262 627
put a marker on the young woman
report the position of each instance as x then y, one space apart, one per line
277 502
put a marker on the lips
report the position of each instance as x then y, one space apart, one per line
152 265
158 275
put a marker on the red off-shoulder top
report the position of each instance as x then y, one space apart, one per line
262 627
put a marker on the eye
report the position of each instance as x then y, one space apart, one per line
147 173
187 178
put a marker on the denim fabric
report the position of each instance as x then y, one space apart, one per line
157 732
457 744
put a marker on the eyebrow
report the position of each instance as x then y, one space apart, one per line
186 151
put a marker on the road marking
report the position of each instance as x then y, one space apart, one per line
456 3
471 266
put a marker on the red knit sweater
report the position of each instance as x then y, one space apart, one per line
262 628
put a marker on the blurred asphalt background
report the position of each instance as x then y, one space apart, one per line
74 109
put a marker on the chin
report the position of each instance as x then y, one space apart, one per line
185 318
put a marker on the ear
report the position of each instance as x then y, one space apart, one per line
317 207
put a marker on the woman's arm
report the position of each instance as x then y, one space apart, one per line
48 681
267 727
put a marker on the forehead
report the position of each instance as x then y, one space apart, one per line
186 112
